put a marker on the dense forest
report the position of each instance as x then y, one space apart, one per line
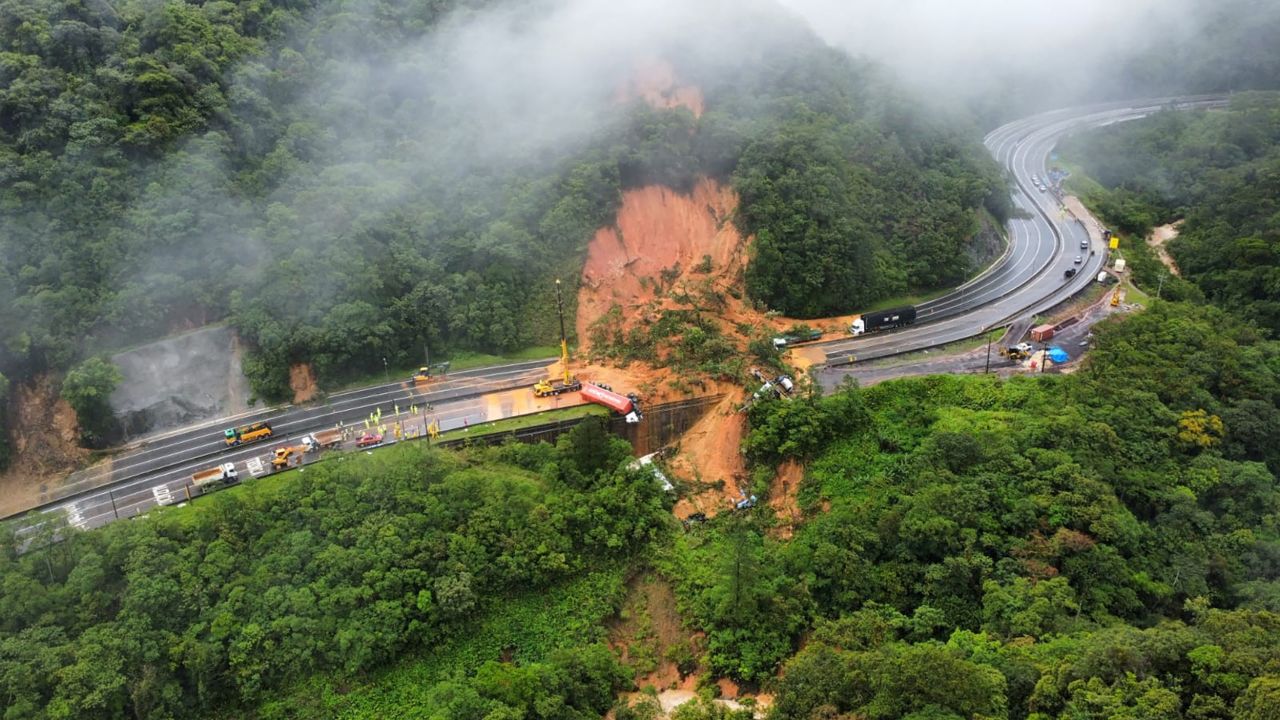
1218 172
341 200
1095 545
1101 544
341 570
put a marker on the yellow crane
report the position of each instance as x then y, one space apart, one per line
568 383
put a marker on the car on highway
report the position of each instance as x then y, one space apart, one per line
1042 189
1035 179
1079 259
369 440
1084 244
1070 273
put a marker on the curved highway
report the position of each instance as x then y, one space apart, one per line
1029 278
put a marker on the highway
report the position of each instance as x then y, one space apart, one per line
159 467
1028 278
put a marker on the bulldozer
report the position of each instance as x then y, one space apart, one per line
568 383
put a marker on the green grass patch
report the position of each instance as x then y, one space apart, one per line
902 300
526 421
957 347
526 627
457 361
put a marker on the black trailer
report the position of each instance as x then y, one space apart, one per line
886 319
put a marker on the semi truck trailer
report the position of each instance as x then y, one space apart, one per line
883 320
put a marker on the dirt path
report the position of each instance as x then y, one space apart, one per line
1161 235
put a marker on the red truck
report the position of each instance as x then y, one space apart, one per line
625 405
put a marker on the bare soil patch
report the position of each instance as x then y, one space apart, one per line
782 497
302 380
710 461
655 81
1161 235
45 435
651 637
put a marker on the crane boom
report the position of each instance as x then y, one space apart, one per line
567 382
564 340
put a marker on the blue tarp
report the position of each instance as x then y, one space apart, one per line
1058 355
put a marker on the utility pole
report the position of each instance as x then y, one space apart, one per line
988 368
386 372
1160 287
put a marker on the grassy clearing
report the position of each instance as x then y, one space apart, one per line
457 361
526 421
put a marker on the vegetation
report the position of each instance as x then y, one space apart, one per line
833 235
1216 171
1100 544
87 388
177 163
338 570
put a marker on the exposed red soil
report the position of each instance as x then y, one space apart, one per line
302 380
1157 239
782 497
655 82
45 436
711 460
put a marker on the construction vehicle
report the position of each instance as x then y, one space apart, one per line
568 383
321 440
784 384
288 456
215 477
883 320
427 373
1019 352
626 405
253 432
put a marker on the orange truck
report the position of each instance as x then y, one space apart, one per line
245 434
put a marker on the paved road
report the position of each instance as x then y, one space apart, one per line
126 483
1030 277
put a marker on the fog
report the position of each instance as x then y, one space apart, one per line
1044 53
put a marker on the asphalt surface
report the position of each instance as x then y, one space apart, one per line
1029 278
158 471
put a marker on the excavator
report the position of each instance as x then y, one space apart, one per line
568 383
286 457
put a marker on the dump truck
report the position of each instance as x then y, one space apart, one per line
215 477
567 383
287 457
883 320
626 405
784 341
253 432
321 440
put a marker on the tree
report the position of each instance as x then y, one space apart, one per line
87 388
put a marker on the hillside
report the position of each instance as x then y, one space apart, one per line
1218 175
342 201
